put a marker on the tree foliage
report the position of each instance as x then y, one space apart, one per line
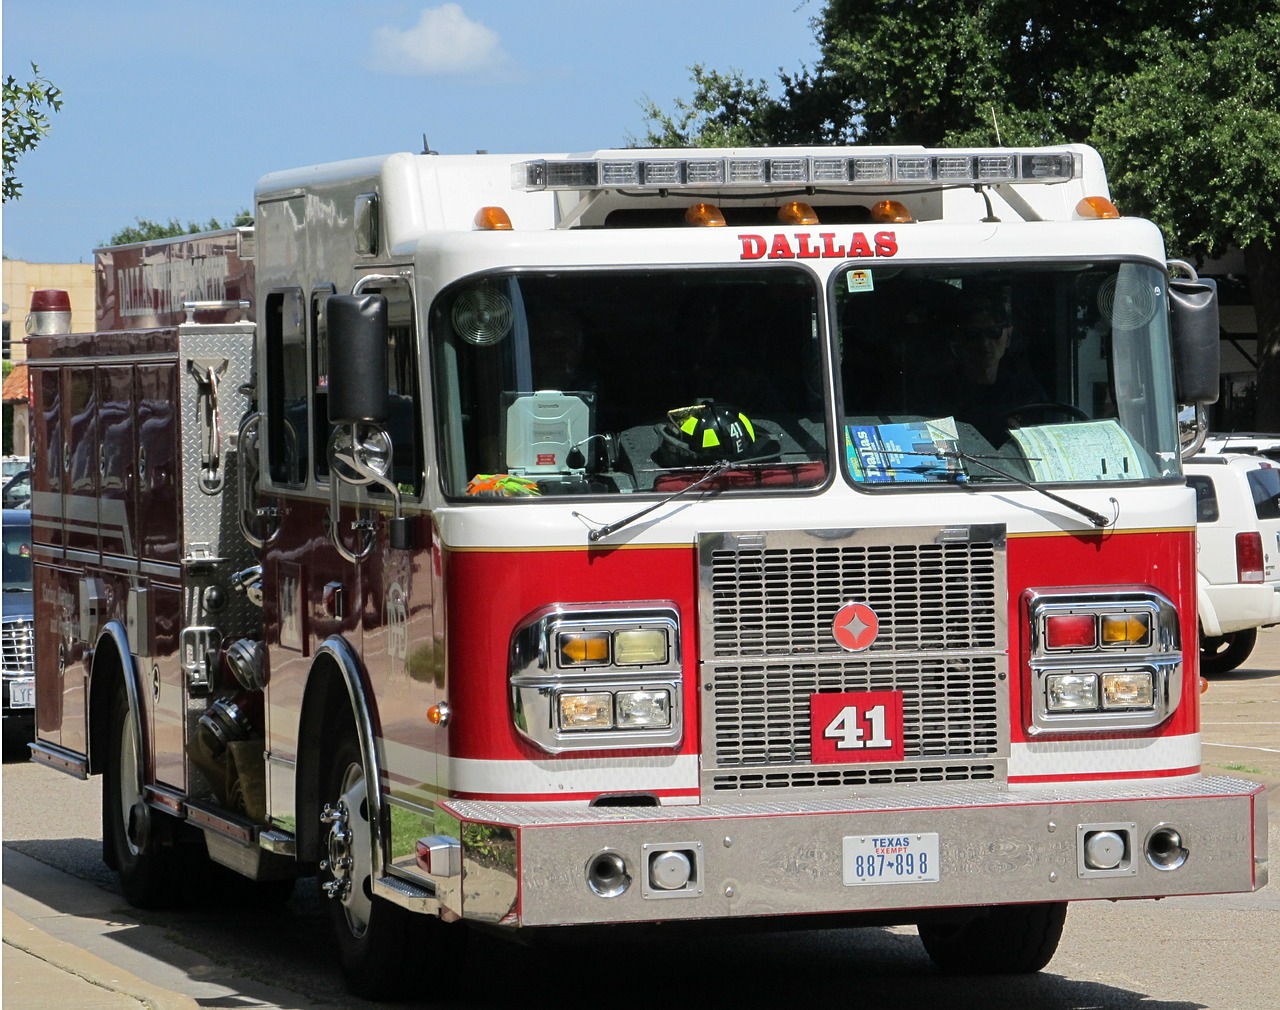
26 122
1180 99
146 230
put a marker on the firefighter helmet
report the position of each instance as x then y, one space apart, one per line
713 431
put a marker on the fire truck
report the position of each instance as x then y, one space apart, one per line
708 537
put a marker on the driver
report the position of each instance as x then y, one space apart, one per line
987 386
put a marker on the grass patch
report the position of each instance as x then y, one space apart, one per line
1236 766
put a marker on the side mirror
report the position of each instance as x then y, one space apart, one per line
357 359
1193 428
1196 348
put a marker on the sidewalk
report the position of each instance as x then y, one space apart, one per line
43 973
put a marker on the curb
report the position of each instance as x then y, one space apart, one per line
22 935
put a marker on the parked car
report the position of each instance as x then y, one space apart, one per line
1238 553
14 465
17 639
17 491
1251 443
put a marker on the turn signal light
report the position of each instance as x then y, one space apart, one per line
1126 629
584 649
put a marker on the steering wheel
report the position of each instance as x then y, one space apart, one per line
1014 417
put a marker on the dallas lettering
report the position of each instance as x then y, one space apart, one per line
804 245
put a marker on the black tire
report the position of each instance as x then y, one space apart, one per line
137 843
1006 940
1225 652
375 937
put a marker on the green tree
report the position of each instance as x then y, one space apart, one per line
146 230
1180 99
26 122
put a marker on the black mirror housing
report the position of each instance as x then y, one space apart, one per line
357 359
1196 348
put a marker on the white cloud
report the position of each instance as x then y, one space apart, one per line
444 41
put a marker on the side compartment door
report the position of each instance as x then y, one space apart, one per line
117 466
46 458
80 457
157 430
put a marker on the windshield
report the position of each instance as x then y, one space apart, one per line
986 373
624 381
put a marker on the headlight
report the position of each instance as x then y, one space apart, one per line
644 708
1072 692
1127 690
586 711
606 676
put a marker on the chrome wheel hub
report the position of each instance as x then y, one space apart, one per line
348 856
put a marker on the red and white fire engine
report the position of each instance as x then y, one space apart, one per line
533 542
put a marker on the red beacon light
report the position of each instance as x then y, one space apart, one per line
50 312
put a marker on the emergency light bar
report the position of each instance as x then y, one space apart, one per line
917 169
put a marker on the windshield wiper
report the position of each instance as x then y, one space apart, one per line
1096 518
596 532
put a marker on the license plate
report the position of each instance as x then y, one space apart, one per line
22 693
891 859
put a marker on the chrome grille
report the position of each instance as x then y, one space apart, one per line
17 648
781 601
768 602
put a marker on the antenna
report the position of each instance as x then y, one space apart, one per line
426 148
994 122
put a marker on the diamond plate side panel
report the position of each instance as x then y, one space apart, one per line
212 547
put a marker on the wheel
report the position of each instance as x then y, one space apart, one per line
1006 940
1225 652
375 937
1016 416
134 841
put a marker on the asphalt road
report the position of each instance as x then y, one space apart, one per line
1206 952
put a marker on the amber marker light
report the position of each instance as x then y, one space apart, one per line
1204 685
704 215
797 212
1097 208
438 714
891 212
493 219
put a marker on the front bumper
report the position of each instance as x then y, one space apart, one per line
528 864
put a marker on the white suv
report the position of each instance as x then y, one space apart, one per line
1237 553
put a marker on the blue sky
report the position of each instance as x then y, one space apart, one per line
176 108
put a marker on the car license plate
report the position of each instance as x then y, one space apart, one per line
22 693
891 859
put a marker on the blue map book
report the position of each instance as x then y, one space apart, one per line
903 452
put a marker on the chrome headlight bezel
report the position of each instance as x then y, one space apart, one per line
564 653
1151 652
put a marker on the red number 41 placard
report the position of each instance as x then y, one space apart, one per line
856 726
